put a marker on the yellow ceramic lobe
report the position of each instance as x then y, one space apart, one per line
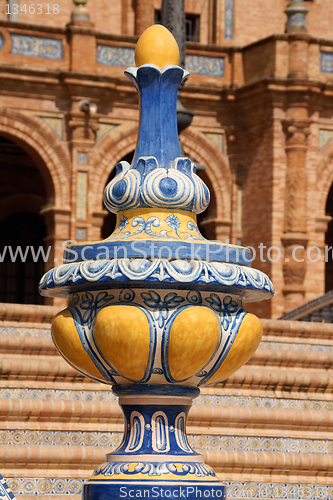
122 334
68 343
194 337
156 46
244 346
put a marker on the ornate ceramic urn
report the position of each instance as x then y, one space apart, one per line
155 310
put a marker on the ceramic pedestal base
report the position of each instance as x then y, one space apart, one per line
154 459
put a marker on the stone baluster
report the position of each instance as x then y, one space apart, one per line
144 15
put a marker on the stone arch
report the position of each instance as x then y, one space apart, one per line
202 150
324 183
45 148
324 175
111 149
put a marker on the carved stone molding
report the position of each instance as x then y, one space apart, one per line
295 215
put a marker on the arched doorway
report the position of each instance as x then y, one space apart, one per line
22 228
21 254
329 243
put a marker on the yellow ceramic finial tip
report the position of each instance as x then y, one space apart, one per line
156 46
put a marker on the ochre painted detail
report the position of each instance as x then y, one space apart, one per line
156 46
68 343
194 337
146 476
122 334
245 344
182 230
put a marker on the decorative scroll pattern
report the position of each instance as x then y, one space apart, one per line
33 46
235 489
158 270
229 19
110 469
149 186
108 55
204 65
225 401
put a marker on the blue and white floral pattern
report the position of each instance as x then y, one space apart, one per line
161 307
91 305
152 223
35 46
226 308
253 283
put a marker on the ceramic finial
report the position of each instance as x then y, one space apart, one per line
80 14
296 12
157 46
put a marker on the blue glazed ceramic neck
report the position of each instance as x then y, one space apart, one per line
154 429
158 89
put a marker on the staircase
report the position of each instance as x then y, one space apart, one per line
267 430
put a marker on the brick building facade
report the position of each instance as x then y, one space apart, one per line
262 130
262 127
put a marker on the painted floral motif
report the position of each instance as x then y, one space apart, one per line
161 307
226 309
173 222
153 222
91 305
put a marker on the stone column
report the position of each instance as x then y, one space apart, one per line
236 156
144 15
295 236
57 220
173 18
296 128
